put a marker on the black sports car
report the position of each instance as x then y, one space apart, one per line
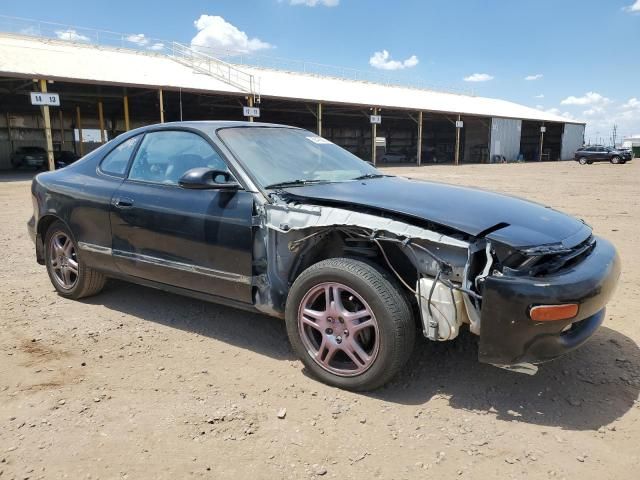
278 220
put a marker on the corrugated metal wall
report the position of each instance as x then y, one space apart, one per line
505 138
572 140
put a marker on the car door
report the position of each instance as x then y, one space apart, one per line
592 154
602 154
200 240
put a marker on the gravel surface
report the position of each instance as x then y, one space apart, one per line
136 383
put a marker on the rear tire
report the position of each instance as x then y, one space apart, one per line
70 276
350 324
583 161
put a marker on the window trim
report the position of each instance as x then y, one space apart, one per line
99 169
160 129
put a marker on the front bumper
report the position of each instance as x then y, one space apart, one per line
34 162
509 337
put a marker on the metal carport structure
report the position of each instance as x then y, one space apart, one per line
134 88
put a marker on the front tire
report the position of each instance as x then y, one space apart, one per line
350 324
70 276
615 160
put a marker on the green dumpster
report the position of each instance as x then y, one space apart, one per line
636 152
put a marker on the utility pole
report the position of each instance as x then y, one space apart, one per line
458 129
543 130
374 134
250 101
419 152
47 128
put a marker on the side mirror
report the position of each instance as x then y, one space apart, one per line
204 178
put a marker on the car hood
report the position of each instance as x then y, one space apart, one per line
513 221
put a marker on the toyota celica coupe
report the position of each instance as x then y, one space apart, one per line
279 220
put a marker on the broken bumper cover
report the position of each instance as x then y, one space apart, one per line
509 337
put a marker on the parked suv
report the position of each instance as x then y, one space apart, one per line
34 157
588 155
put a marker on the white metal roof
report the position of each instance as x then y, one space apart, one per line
60 60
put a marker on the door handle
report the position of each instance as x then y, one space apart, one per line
123 202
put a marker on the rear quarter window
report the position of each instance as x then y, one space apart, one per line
116 161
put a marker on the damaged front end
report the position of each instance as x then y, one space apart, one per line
454 278
433 264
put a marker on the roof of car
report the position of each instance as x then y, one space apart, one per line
208 125
223 124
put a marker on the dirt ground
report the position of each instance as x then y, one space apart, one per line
136 383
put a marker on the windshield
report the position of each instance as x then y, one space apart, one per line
278 156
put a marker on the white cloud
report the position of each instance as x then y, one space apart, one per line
537 76
593 111
556 111
382 60
590 98
635 8
138 39
156 46
478 77
313 3
602 118
71 35
215 32
540 96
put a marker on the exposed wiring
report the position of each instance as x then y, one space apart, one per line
433 288
441 263
443 267
384 254
408 244
296 243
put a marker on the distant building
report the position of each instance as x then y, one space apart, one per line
633 143
104 90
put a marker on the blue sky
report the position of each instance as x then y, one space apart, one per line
582 55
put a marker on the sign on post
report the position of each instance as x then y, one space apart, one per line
48 99
543 129
251 112
459 124
376 119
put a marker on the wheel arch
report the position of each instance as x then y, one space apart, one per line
289 256
44 223
339 246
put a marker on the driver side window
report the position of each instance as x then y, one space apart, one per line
164 157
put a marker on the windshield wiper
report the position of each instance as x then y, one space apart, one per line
370 175
295 183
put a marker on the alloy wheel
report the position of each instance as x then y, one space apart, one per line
63 260
338 329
